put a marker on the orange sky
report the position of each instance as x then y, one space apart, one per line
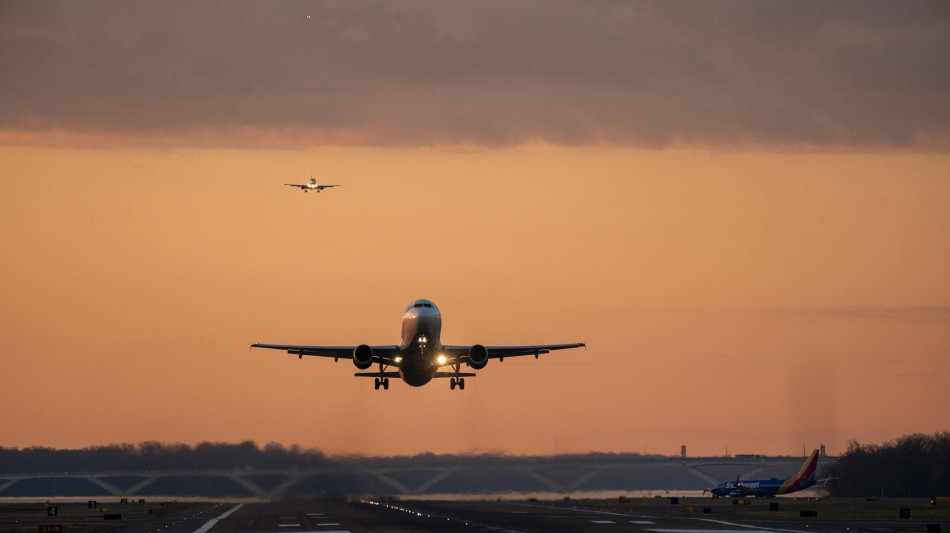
757 300
741 209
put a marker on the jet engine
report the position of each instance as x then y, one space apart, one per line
477 357
363 357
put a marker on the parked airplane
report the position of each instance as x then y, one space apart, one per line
312 186
770 487
421 352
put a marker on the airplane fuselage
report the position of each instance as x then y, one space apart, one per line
421 344
761 487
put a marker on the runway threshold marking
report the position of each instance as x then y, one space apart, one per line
210 523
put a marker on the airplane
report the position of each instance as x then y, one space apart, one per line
421 353
312 186
770 487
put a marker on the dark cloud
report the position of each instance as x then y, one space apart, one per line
710 73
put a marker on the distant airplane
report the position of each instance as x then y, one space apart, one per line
770 487
421 353
312 186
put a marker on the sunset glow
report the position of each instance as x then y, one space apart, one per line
755 257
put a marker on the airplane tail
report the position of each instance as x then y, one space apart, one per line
804 478
809 468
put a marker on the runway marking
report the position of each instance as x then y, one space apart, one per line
327 524
319 531
757 528
749 529
684 530
210 523
602 522
642 522
591 511
288 525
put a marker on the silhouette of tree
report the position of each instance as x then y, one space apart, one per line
913 465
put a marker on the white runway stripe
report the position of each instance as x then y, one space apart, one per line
210 523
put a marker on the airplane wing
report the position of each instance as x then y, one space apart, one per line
381 354
296 185
321 187
500 352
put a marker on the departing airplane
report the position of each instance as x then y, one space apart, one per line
770 487
312 186
421 353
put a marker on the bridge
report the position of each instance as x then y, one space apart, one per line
382 477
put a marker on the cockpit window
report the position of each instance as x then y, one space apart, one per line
427 305
419 305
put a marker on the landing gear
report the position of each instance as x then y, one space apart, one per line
384 383
457 382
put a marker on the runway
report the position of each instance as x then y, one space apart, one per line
338 515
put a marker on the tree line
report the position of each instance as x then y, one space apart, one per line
912 466
157 456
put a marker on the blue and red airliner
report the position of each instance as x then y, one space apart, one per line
770 487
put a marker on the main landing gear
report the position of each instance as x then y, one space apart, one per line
384 383
457 382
